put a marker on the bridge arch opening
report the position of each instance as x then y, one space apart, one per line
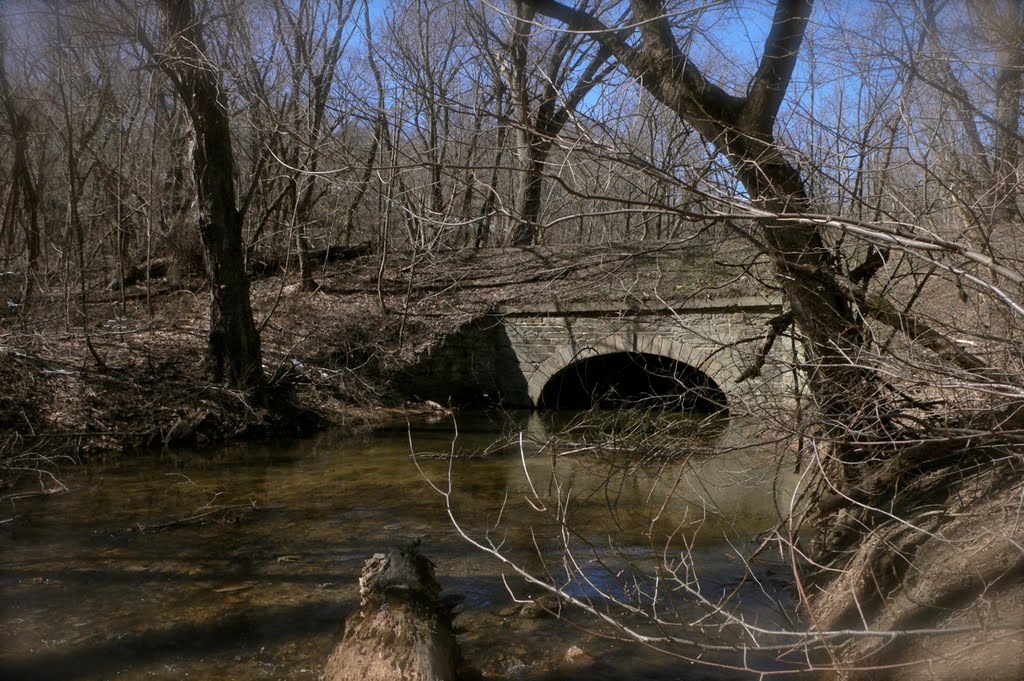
632 379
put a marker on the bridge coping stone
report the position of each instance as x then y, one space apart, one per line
644 306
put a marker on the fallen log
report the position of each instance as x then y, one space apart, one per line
154 268
270 264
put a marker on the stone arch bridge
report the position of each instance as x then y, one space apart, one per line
577 354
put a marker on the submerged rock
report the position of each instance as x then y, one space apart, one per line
575 657
403 630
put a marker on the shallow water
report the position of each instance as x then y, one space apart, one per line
241 562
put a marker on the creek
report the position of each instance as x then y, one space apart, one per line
241 562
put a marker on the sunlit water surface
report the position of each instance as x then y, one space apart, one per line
241 562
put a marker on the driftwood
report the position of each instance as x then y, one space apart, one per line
403 630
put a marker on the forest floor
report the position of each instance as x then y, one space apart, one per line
131 373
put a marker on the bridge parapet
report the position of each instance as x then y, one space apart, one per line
645 306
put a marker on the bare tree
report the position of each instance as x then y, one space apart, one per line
379 122
307 37
1001 24
742 129
22 189
540 118
234 342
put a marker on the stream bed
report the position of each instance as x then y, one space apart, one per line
241 562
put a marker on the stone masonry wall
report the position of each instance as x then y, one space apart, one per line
507 358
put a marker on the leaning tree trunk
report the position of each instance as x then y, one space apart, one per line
742 129
234 342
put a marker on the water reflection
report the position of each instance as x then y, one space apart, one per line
241 562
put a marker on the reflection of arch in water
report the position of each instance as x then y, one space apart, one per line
629 370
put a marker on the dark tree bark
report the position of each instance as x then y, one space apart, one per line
483 225
234 343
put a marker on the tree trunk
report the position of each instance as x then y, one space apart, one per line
483 223
22 179
1008 91
533 154
23 188
554 106
234 343
528 195
527 199
303 209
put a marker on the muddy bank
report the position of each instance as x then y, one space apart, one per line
146 386
928 584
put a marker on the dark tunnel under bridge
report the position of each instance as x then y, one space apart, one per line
637 380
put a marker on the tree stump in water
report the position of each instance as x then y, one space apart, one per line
403 630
